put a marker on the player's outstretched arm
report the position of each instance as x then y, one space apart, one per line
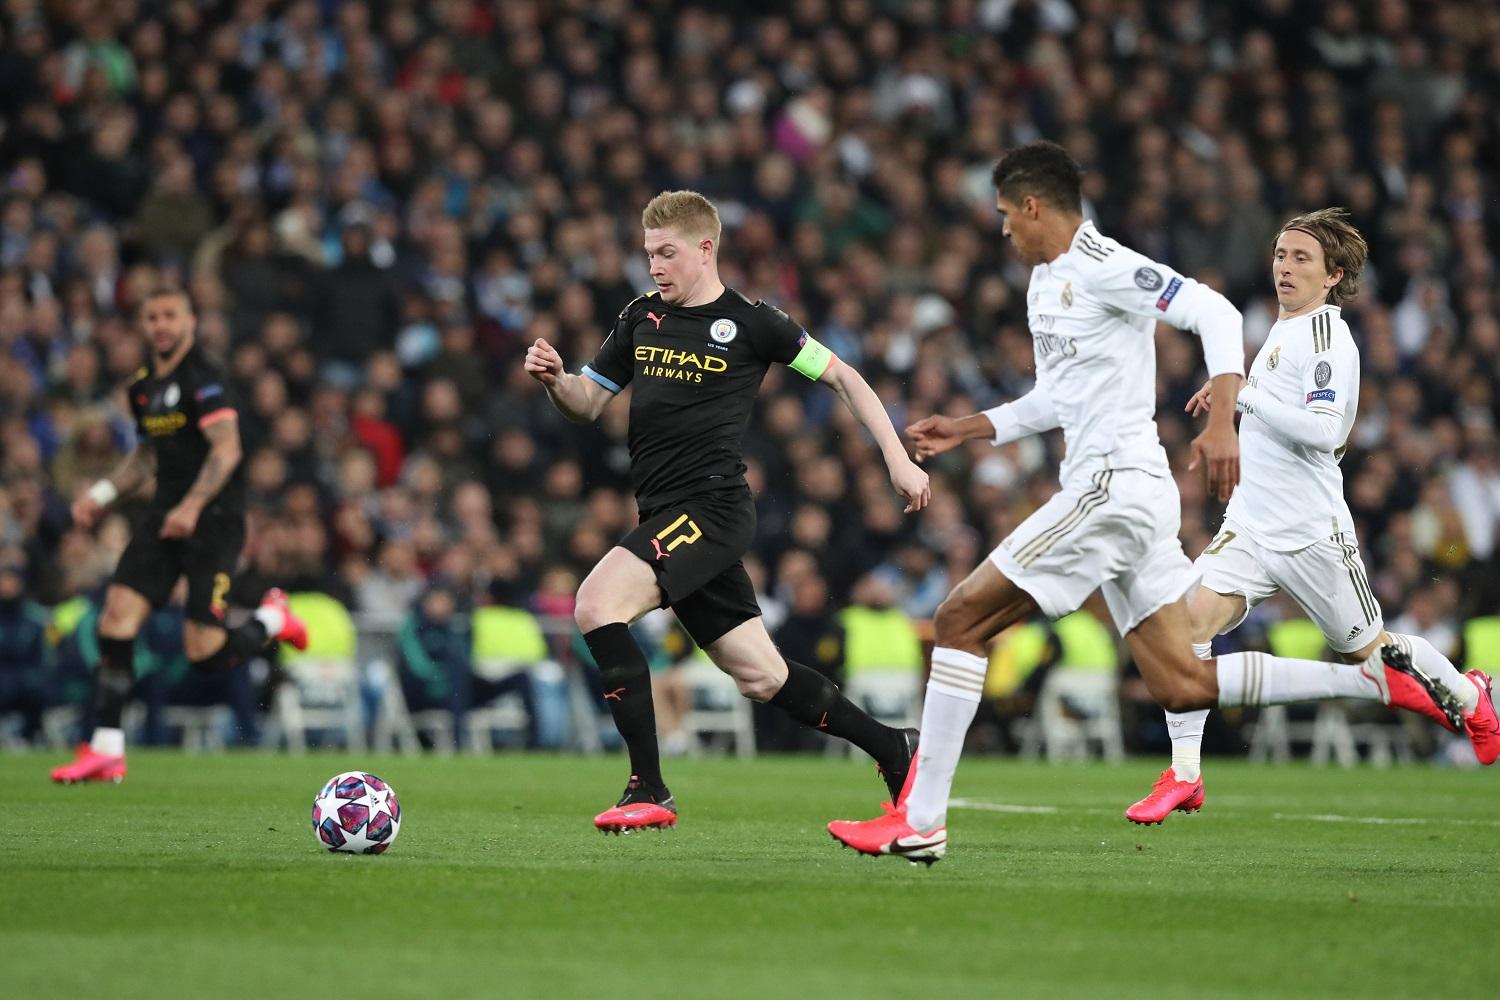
132 474
909 481
579 399
224 454
1033 413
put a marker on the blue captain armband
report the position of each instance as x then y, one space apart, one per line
608 384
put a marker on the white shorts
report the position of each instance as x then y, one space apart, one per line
1326 579
1116 532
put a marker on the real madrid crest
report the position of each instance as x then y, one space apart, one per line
1067 296
723 331
172 395
1273 360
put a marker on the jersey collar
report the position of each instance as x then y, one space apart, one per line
1325 307
1085 228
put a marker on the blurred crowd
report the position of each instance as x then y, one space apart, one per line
377 205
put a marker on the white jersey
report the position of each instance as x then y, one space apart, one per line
1093 313
1291 495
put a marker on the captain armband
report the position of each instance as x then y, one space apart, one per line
813 360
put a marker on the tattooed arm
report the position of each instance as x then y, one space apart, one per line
223 457
132 474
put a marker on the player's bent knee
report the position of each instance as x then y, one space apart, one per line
1179 689
202 642
759 686
955 622
595 609
1184 701
217 662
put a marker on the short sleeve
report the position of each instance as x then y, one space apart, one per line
1330 377
135 395
1138 285
212 401
612 366
781 339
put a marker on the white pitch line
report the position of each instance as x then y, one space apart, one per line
983 805
1002 807
1385 820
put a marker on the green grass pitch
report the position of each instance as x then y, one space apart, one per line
200 877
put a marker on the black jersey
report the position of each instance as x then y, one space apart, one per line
170 414
696 371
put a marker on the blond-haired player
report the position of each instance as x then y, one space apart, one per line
694 354
1092 305
1287 527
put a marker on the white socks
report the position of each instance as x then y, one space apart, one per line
1425 655
274 619
1263 679
953 692
111 742
1186 730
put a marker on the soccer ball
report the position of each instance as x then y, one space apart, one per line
356 812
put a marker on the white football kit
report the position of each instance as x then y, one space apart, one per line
1287 526
1113 525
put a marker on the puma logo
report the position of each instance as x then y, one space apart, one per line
660 552
614 695
655 318
823 722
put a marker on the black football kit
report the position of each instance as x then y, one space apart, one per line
694 373
171 412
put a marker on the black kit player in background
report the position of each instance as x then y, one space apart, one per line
193 525
694 354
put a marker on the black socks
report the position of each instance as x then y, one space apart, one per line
113 681
239 645
816 701
627 692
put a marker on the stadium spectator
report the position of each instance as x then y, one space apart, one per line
377 206
437 665
25 653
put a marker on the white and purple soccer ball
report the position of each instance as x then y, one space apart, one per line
357 813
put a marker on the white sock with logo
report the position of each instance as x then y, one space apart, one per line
1186 730
953 691
1263 679
1437 666
107 741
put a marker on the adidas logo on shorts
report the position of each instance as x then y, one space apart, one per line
1356 630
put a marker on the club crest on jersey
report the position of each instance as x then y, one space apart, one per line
1147 280
172 396
1273 360
1067 296
1322 373
723 330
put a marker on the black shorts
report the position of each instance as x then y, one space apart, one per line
695 547
151 564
